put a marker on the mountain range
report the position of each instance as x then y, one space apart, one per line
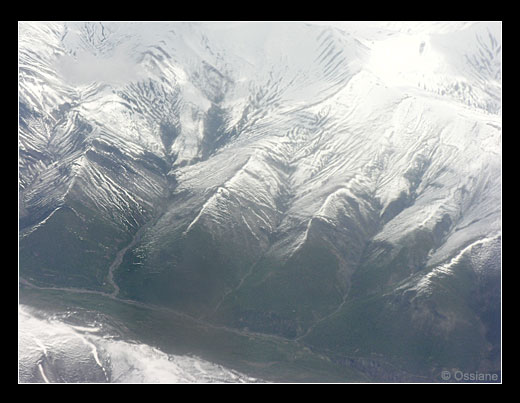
335 185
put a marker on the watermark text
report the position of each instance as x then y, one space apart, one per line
460 376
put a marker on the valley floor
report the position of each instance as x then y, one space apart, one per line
268 357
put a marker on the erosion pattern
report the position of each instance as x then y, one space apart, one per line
339 187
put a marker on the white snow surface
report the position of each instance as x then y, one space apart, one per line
65 353
326 113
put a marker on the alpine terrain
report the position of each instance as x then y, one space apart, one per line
296 201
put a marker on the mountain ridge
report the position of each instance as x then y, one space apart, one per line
290 177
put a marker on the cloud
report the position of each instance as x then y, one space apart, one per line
86 68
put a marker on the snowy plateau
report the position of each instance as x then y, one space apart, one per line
327 193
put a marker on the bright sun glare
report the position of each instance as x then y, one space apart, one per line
404 59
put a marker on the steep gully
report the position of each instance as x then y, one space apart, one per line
202 321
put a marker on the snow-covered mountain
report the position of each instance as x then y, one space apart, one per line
284 177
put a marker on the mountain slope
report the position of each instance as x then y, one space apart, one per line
287 178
